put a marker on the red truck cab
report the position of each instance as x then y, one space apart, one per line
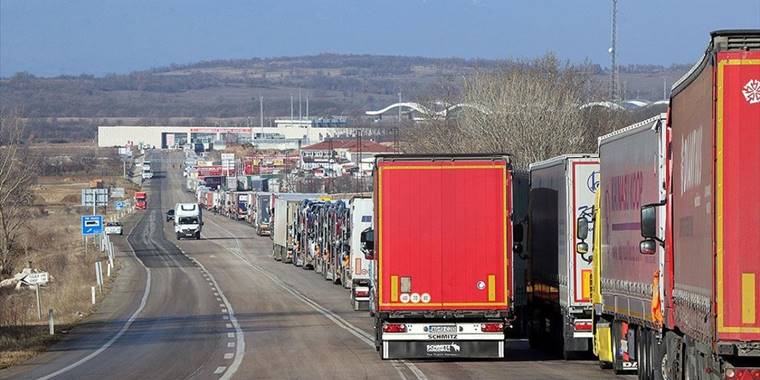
141 200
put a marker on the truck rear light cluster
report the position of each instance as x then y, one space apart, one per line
492 327
361 292
584 326
394 328
742 374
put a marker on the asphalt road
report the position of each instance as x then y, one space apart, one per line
221 307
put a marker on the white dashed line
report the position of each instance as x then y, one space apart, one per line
230 335
240 346
229 355
224 310
221 305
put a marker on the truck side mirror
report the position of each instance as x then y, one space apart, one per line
582 227
581 248
368 243
648 247
649 221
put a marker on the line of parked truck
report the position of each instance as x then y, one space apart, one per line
645 253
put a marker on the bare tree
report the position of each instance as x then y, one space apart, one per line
17 172
530 109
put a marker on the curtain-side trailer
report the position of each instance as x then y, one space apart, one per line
711 239
559 302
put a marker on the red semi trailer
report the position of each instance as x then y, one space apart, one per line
442 247
711 327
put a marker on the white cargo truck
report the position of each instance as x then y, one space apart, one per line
357 273
188 220
562 189
280 233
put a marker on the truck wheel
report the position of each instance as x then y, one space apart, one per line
644 353
178 237
617 363
198 236
659 358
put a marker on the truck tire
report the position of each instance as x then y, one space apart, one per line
617 363
198 236
644 353
660 367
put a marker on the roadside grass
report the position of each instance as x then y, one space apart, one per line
52 243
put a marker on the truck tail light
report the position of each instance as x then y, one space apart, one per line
742 374
584 326
394 328
492 327
361 292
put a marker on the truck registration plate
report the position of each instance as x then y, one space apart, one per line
442 328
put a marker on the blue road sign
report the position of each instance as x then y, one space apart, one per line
92 224
119 205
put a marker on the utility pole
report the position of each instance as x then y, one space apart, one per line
261 113
399 109
613 54
300 115
291 107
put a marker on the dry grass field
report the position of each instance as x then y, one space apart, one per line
52 242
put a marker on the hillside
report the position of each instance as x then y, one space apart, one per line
336 85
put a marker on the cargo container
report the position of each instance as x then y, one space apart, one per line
282 226
712 242
442 281
559 301
356 273
261 214
633 174
696 317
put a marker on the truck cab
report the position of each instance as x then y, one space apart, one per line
188 220
141 200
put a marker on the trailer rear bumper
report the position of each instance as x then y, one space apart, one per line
483 349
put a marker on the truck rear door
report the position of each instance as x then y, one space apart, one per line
583 183
442 231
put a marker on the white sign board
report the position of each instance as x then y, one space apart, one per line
97 196
228 161
117 192
36 278
232 183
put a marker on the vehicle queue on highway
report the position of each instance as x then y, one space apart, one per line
645 253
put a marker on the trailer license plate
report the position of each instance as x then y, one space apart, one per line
442 329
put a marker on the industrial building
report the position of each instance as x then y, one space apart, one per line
168 136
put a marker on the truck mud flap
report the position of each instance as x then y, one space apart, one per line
443 349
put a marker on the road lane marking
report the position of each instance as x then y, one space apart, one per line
338 320
240 346
230 335
224 310
124 327
230 344
229 355
219 370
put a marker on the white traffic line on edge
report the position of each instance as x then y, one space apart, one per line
338 320
124 327
240 346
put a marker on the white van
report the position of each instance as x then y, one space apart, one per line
188 220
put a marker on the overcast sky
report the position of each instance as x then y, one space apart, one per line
115 36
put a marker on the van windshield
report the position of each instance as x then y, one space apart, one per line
188 220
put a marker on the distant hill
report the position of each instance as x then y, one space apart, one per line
335 84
